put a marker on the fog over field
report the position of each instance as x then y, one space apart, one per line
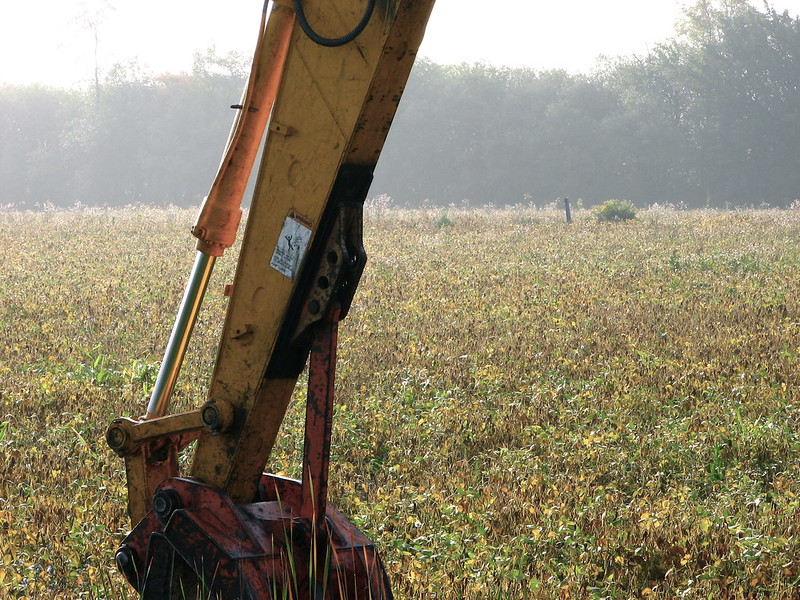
709 117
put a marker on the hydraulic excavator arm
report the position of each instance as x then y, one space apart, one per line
326 79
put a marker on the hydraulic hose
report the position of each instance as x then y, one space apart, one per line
332 42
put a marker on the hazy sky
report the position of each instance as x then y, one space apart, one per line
49 41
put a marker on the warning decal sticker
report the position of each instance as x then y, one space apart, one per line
291 247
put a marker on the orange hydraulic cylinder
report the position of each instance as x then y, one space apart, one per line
221 212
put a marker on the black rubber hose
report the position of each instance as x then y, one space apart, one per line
333 42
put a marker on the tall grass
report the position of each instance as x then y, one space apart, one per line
524 408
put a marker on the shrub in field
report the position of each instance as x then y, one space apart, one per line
613 211
442 222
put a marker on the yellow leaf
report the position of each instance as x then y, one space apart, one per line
705 525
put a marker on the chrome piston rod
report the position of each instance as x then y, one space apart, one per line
181 333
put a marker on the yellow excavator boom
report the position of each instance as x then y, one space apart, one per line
326 79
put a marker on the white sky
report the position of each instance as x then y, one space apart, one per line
46 41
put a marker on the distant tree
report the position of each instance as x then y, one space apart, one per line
491 135
34 168
716 109
92 16
158 140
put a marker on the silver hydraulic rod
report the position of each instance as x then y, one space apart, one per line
181 333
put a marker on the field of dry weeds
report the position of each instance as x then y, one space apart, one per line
526 409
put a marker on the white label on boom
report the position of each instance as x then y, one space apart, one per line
291 247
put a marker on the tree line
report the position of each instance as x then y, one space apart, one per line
710 117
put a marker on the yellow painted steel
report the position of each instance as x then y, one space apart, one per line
328 108
334 107
150 448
